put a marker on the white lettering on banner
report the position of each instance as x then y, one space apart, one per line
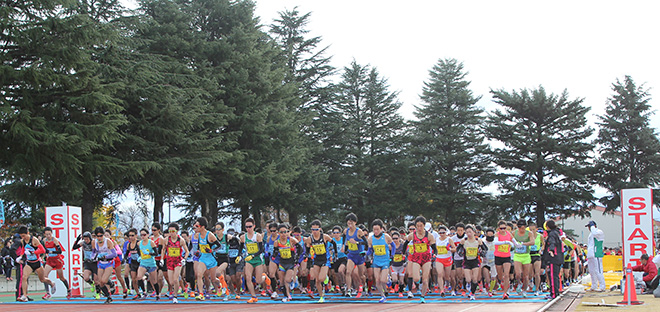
637 214
66 224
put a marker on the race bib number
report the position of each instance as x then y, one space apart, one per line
490 255
88 255
285 253
353 247
421 248
411 249
174 252
205 248
134 255
233 253
223 248
145 256
471 251
521 249
503 248
319 249
252 248
379 250
442 250
398 258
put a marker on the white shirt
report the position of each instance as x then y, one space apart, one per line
656 260
598 234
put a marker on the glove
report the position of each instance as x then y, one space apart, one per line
238 260
248 258
162 262
363 253
197 253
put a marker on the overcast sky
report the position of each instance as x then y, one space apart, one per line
580 46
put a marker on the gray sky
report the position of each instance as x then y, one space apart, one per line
580 46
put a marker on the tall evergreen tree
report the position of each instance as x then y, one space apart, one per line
365 136
629 150
449 144
310 69
59 116
544 153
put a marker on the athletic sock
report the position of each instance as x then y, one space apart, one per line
128 282
409 282
66 284
105 291
475 287
141 285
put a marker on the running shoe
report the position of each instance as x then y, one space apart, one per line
442 294
410 295
359 294
158 297
125 294
92 288
505 296
524 294
453 293
383 299
46 296
537 293
97 296
472 297
253 300
226 298
422 300
108 300
519 290
185 294
490 294
285 299
400 295
310 294
137 296
68 294
174 300
200 297
22 299
321 300
274 295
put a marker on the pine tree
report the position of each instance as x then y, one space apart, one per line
629 150
449 144
59 116
365 136
545 154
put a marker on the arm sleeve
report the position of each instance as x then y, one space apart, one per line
334 247
392 249
58 249
434 249
40 250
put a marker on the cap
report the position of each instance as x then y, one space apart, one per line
427 226
591 223
521 222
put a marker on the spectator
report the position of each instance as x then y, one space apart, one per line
650 273
6 261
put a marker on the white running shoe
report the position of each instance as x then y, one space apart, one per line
174 300
274 295
472 297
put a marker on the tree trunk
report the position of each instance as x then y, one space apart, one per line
205 208
213 210
87 208
158 207
293 218
257 216
245 213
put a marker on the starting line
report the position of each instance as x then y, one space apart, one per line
297 299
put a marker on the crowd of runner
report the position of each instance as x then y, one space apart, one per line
352 260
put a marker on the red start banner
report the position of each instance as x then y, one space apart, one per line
66 222
637 213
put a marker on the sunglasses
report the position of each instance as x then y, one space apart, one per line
154 230
283 232
99 235
315 229
172 231
396 238
273 231
503 228
249 226
336 232
132 235
144 234
196 226
442 232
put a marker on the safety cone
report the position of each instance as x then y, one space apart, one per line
629 294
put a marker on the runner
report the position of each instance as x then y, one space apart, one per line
159 240
522 260
488 270
90 267
117 264
459 276
273 267
398 263
470 249
54 260
132 256
424 253
148 249
382 247
285 250
339 265
127 267
31 261
410 250
207 242
254 262
221 254
235 267
105 253
446 247
355 240
534 252
503 243
175 248
301 271
318 242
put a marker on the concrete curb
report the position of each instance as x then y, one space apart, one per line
553 301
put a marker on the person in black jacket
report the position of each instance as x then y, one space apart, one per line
553 257
6 261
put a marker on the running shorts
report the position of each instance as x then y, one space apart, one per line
55 262
502 260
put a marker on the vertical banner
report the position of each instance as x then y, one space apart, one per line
66 222
637 214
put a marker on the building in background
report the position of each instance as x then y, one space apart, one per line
610 223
